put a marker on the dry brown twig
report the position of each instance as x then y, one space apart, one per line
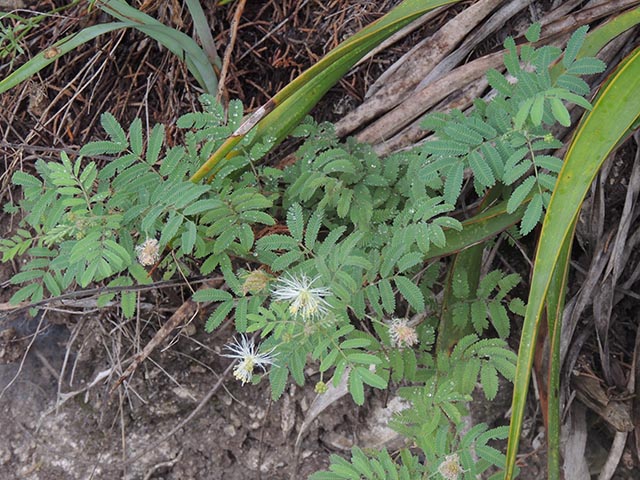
93 293
229 50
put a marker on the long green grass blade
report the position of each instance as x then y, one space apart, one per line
179 43
602 35
203 31
294 101
479 228
555 307
56 50
615 110
11 38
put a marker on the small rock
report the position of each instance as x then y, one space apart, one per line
235 420
184 393
288 415
5 456
251 459
229 430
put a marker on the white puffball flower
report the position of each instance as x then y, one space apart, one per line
305 301
247 353
402 334
451 468
148 252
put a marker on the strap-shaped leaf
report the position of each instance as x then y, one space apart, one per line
615 111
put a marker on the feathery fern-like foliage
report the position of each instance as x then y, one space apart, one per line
326 257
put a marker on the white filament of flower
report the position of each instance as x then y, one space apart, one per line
307 302
402 334
247 353
451 468
148 252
